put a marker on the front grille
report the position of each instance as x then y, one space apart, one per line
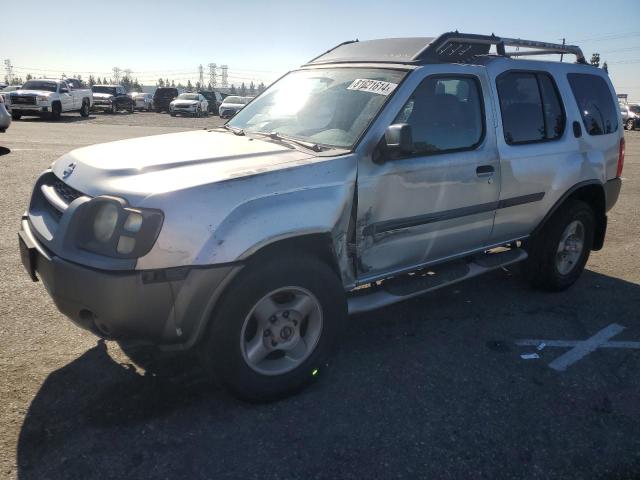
23 99
183 105
64 191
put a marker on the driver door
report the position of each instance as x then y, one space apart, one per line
440 200
66 97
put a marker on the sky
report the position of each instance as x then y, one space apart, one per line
260 40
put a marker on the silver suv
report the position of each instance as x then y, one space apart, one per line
378 171
630 115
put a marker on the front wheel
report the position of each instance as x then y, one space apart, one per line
629 124
559 252
275 327
56 111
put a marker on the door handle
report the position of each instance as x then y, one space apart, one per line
485 170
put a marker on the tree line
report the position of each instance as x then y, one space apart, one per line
133 85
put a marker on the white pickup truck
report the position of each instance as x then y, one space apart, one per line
50 98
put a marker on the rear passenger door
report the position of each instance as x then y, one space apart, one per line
536 150
439 200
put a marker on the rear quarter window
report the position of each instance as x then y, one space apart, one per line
595 102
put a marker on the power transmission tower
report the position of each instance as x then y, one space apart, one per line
212 75
201 76
225 76
8 69
116 75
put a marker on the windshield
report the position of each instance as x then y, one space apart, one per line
188 96
39 85
327 106
109 90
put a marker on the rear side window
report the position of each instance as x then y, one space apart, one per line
595 102
445 114
531 107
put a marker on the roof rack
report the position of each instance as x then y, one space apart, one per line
461 46
450 47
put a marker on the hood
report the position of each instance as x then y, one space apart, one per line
102 96
30 92
232 105
145 166
189 102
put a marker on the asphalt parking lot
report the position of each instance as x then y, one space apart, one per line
431 388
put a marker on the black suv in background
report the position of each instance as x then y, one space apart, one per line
163 97
214 98
111 98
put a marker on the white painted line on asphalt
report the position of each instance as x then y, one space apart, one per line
581 348
573 343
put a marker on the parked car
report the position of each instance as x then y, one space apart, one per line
214 98
143 101
232 105
112 98
50 98
378 171
4 93
630 115
162 97
5 116
193 104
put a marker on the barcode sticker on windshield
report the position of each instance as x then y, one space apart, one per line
372 86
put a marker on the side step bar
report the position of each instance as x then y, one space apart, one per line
411 285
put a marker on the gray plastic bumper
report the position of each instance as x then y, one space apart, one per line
168 307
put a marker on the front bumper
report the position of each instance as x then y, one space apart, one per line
167 307
30 109
101 106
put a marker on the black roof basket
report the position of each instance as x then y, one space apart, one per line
451 47
462 47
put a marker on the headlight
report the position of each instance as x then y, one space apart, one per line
42 98
110 227
105 222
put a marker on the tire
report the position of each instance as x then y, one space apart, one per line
172 114
56 111
84 110
556 260
629 124
16 115
224 349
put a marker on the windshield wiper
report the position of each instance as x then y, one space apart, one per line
234 130
286 138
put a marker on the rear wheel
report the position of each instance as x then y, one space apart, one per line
558 254
84 110
629 124
275 327
56 111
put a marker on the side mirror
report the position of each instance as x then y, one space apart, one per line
399 138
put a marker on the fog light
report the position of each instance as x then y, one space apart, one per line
126 245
